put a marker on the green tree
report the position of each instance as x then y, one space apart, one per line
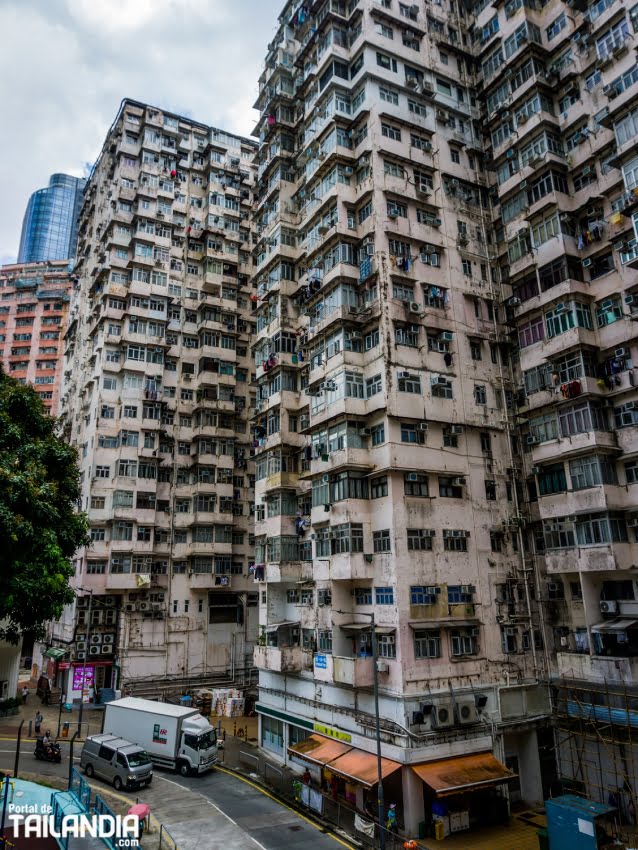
40 528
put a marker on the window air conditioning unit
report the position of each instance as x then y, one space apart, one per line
143 606
325 478
608 606
458 482
412 476
403 375
95 650
369 249
365 432
107 649
620 352
443 715
630 299
96 639
80 646
533 441
466 711
423 426
108 639
80 656
382 666
130 607
587 263
414 307
446 336
632 522
455 429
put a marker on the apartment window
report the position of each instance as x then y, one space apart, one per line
591 472
631 472
410 384
98 503
480 394
475 350
556 26
377 436
386 646
379 487
463 642
374 386
386 62
98 534
455 540
384 595
427 643
391 132
389 95
419 540
102 471
466 266
552 480
107 412
497 541
371 340
442 388
363 595
415 484
381 540
324 640
490 491
122 530
411 433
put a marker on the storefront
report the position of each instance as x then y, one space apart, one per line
81 681
463 792
345 773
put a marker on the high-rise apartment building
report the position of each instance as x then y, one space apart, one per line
34 305
157 399
50 225
559 87
445 412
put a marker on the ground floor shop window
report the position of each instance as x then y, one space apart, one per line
272 734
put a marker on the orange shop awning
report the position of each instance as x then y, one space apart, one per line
463 773
361 767
318 750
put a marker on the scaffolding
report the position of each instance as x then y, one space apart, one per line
596 728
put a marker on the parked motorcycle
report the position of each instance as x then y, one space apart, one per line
47 753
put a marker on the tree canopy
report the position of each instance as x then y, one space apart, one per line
40 527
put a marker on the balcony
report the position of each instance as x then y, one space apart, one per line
288 571
345 567
629 257
210 581
597 668
356 672
287 659
606 558
590 499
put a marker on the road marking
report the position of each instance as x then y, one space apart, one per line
285 805
216 807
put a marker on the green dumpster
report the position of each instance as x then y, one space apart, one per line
543 839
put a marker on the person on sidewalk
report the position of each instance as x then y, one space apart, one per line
25 694
38 722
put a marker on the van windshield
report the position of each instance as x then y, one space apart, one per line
138 759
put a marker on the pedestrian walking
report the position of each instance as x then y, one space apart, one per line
38 722
25 694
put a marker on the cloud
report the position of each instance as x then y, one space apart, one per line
67 64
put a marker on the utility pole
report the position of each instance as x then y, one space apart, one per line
377 727
88 644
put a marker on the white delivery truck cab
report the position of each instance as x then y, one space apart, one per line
174 736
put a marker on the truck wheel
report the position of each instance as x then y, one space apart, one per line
184 768
117 783
88 770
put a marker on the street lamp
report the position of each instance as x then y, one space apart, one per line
377 727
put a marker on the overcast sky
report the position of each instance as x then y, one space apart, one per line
65 65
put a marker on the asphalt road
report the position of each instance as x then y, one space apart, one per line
181 803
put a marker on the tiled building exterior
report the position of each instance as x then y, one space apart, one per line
157 400
445 384
34 305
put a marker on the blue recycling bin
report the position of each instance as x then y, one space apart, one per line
187 701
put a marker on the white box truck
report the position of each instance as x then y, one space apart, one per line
174 736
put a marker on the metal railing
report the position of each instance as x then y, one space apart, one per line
166 840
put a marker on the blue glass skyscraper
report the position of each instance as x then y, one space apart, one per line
50 226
